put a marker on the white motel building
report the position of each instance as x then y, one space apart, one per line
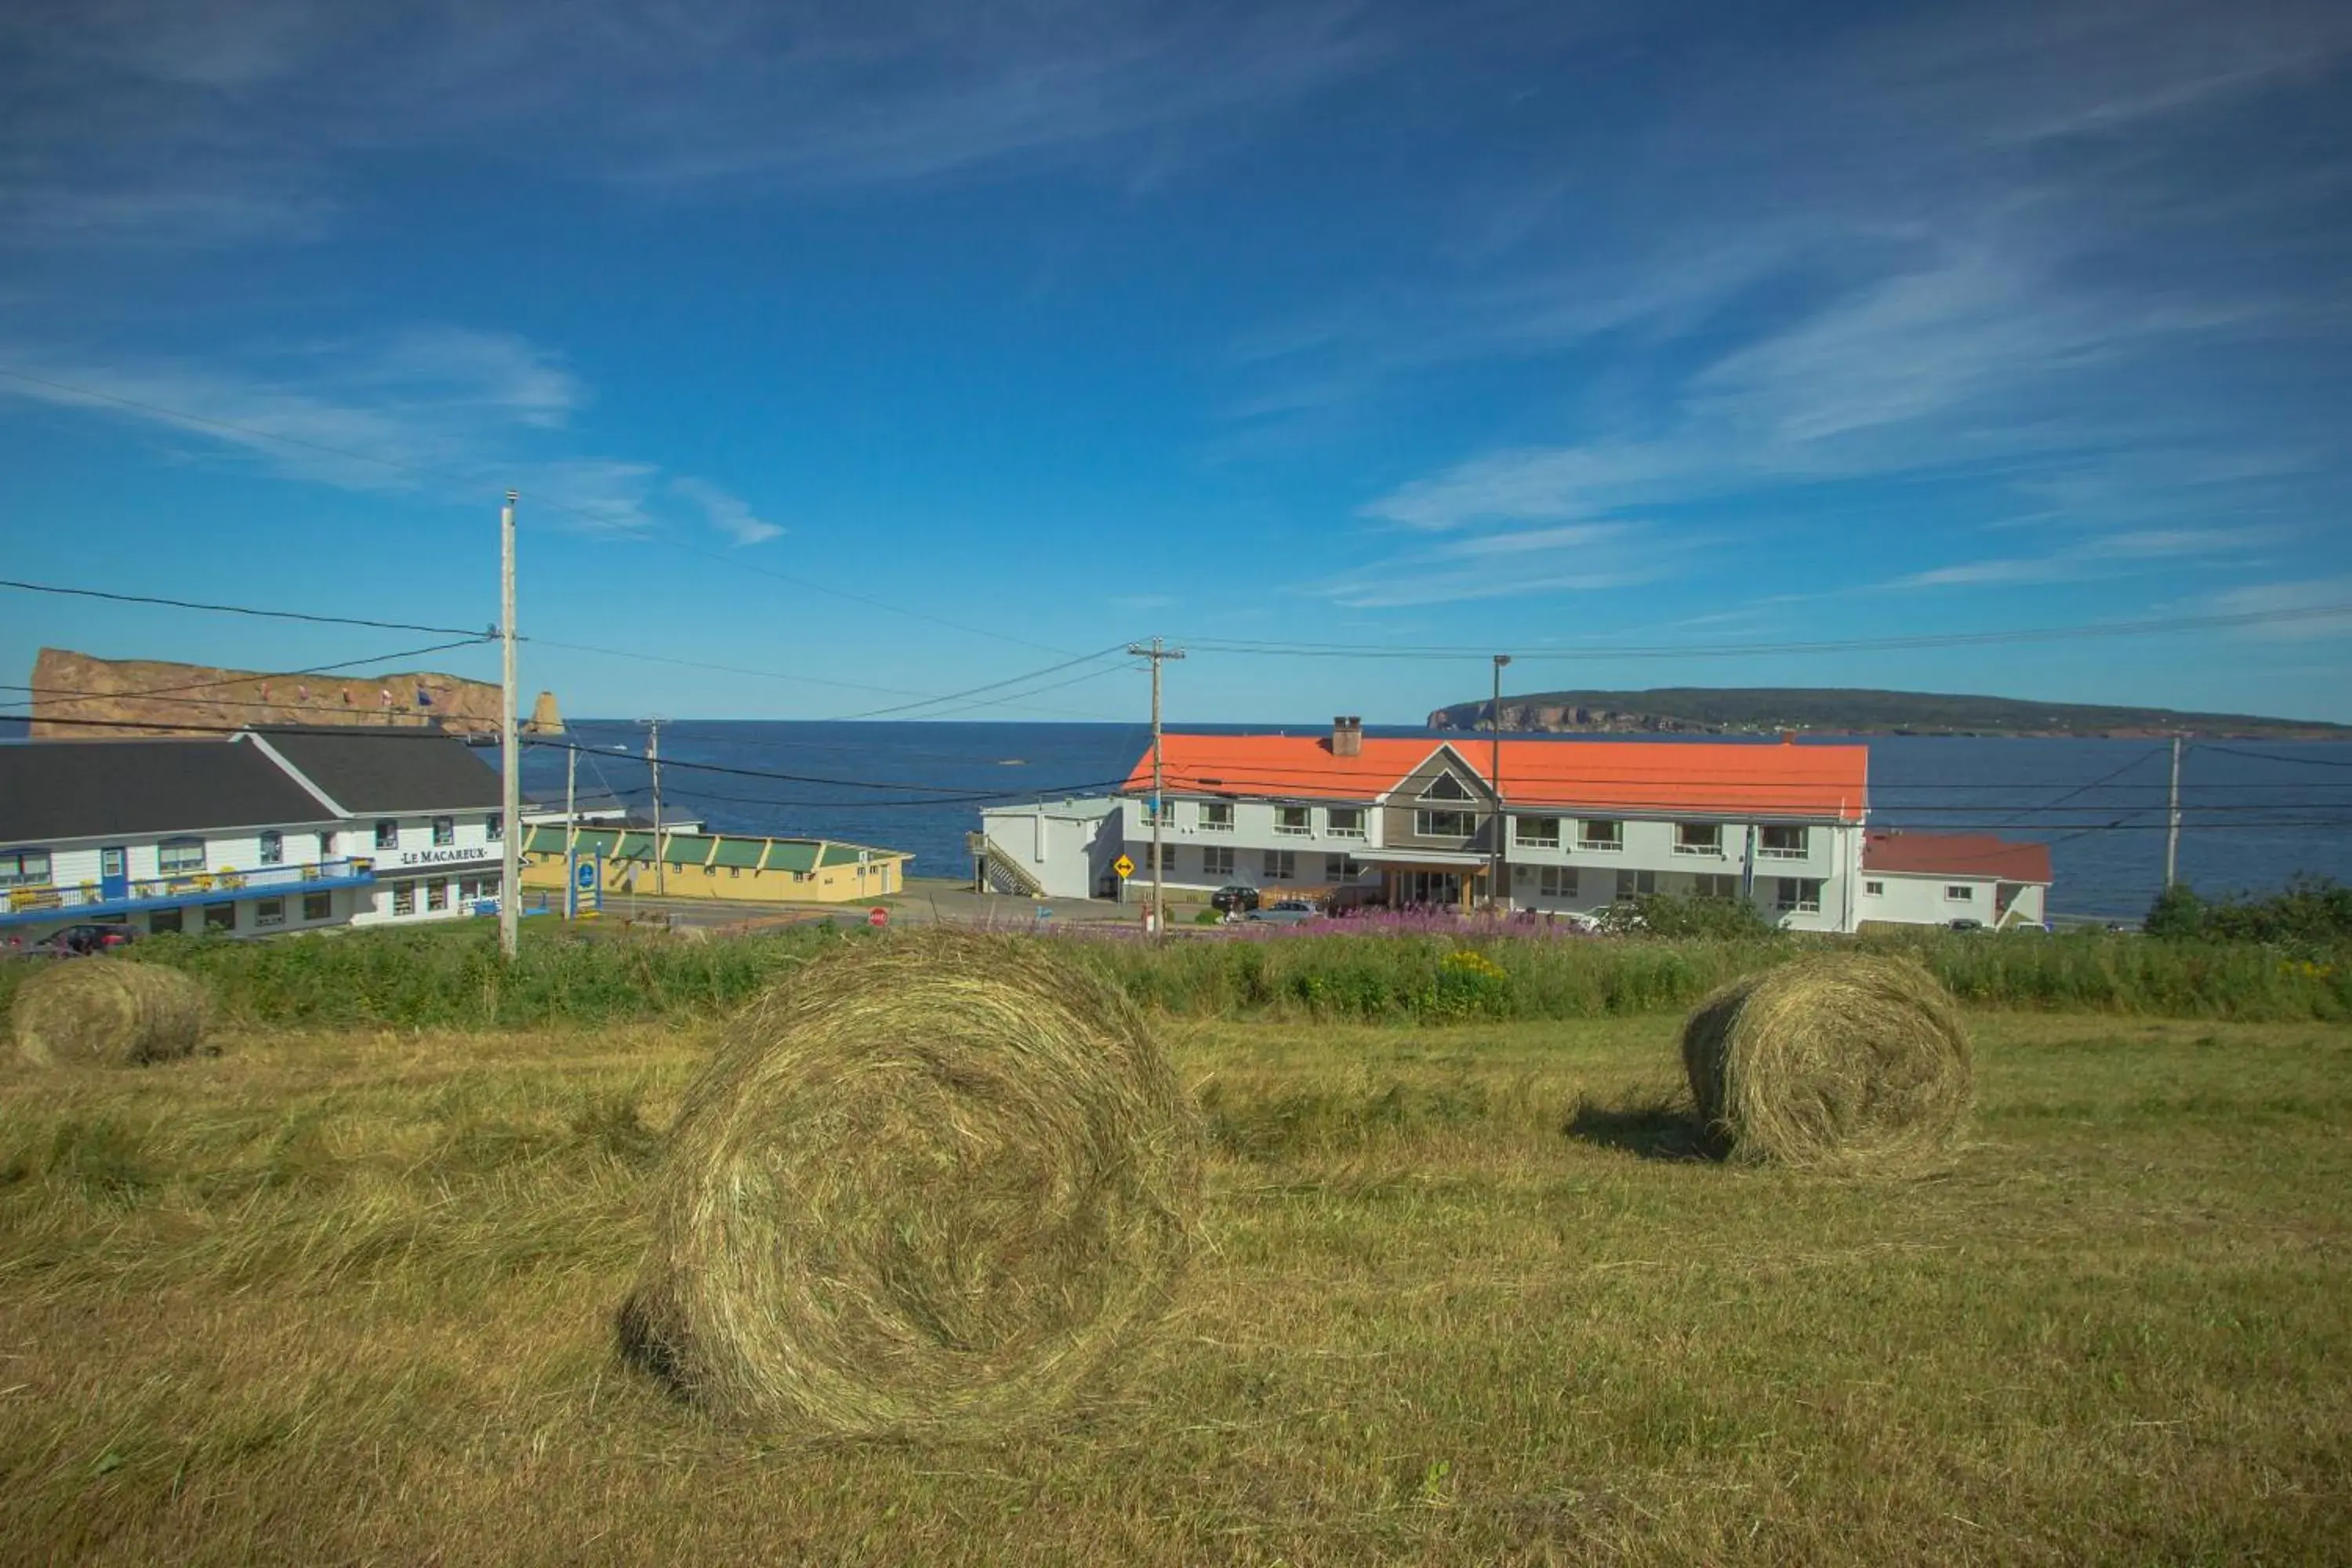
263 831
1573 826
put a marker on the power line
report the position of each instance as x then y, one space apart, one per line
2270 757
1009 680
1732 650
472 482
243 610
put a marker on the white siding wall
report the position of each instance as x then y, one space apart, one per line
1830 854
1918 897
1061 845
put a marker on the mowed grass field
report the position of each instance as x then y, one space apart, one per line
1465 1295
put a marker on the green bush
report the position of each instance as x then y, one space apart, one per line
2311 918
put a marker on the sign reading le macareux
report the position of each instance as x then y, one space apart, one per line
454 855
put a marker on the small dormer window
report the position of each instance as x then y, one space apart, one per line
1445 786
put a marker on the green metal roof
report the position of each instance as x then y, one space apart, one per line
685 850
739 852
847 854
547 839
632 847
792 854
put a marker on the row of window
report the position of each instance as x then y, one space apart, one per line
438 889
1532 832
186 857
1954 892
1800 895
1274 865
268 914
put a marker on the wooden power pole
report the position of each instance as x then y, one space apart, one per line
2172 824
510 761
1158 655
653 756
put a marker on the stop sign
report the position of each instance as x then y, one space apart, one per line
877 917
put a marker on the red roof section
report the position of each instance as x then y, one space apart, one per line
1640 778
1956 855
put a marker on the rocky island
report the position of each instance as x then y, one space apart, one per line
1762 711
78 697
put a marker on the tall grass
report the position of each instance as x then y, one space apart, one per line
452 977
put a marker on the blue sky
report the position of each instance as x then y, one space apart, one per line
1555 329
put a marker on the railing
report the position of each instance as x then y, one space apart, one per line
184 887
1335 831
1601 846
1293 830
1776 852
1713 851
1526 842
1213 824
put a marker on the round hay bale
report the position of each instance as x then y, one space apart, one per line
79 1011
1851 1062
929 1186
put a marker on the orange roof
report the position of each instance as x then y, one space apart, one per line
1956 855
1639 778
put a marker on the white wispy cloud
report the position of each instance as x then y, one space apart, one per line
728 514
1570 559
2300 598
231 123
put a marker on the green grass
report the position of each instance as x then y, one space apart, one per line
1465 1298
450 977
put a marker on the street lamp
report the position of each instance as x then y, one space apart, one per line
1494 725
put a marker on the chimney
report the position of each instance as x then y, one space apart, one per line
1347 736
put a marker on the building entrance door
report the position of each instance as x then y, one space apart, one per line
1441 888
114 872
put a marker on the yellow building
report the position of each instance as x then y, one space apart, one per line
718 866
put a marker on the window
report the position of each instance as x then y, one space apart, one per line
318 906
269 911
1216 817
220 917
1342 868
1217 860
1281 865
180 857
1444 824
1166 859
1714 885
1556 881
1162 811
1960 893
445 831
273 847
437 894
494 827
326 846
1445 786
403 898
1536 832
1295 821
1873 889
387 834
1636 884
164 923
1698 838
1600 835
24 869
1344 822
1781 844
1802 894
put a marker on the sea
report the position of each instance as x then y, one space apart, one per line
2254 814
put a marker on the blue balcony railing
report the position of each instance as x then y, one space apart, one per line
20 906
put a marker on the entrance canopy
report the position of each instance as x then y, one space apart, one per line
1424 860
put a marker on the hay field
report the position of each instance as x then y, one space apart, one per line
347 1297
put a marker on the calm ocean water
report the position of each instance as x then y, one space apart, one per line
2255 813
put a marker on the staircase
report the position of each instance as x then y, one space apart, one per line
999 873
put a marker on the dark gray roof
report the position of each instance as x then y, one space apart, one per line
51 790
372 770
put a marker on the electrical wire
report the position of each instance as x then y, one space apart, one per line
245 610
1743 650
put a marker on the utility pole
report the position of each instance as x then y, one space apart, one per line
2172 828
1495 723
570 836
653 755
509 762
1158 655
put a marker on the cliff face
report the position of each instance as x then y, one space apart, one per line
1763 711
77 697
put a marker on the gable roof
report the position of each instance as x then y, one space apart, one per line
97 789
1634 777
372 770
1978 855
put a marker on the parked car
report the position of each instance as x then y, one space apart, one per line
75 940
1286 912
1234 898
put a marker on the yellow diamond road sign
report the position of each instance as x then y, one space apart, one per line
1123 865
